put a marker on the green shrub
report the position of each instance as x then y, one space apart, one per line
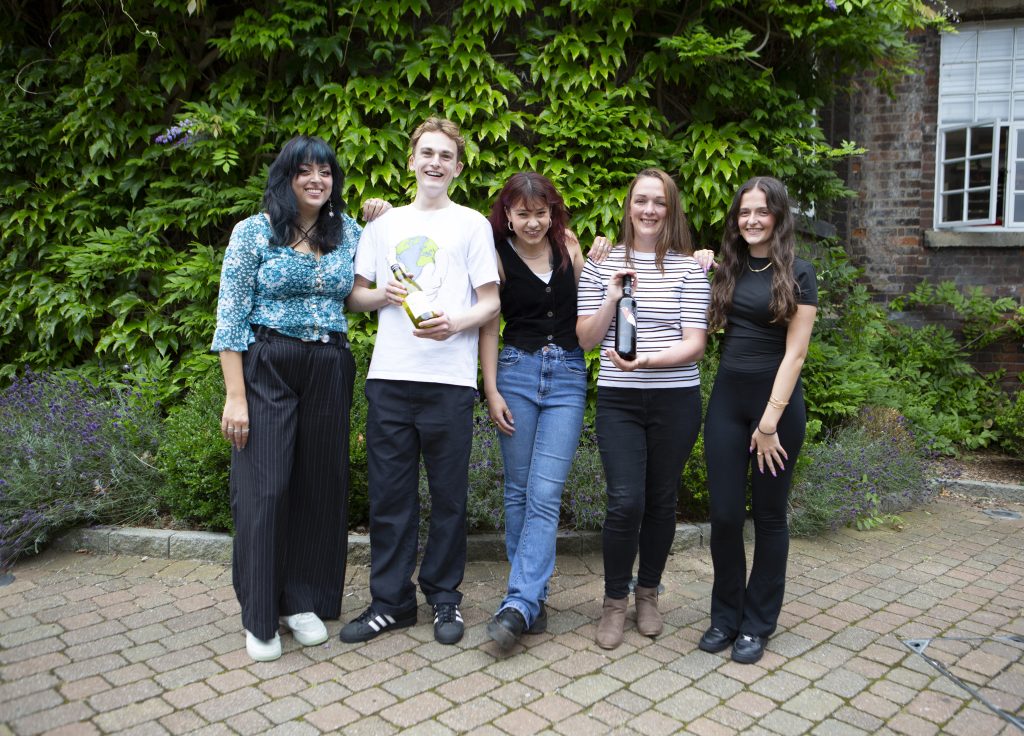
861 475
585 498
195 459
73 452
1011 425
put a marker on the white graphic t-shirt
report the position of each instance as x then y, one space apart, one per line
449 253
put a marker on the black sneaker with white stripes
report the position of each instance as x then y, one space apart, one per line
370 623
448 626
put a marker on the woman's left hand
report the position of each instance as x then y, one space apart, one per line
374 208
625 365
770 451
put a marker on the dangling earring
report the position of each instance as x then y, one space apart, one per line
330 208
510 228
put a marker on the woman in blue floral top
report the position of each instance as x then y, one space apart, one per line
288 373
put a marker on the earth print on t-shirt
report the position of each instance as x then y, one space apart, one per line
424 260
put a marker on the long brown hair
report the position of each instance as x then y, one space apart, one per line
735 254
525 188
675 231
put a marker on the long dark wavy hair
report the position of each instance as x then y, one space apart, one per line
525 188
279 200
675 231
735 254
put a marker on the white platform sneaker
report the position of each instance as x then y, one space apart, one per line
262 650
307 628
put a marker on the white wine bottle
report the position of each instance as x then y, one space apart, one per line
417 304
625 321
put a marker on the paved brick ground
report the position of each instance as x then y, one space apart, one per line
125 644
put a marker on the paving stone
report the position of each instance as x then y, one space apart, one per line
284 709
415 709
163 633
333 717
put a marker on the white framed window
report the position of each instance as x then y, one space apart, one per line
980 143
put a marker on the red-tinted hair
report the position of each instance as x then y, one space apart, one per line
524 188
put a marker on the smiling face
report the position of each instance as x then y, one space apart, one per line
755 221
530 222
648 208
312 185
435 163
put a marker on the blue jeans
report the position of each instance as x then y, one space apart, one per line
546 392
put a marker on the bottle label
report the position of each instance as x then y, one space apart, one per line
627 314
418 303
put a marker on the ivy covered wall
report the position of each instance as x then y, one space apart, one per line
135 133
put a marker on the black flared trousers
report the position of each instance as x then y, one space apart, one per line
289 486
739 605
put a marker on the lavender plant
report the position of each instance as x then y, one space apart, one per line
862 475
73 452
584 499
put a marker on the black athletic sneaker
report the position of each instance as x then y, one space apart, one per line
370 623
448 626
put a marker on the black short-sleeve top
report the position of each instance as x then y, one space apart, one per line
753 343
537 313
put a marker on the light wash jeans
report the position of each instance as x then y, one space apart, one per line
547 393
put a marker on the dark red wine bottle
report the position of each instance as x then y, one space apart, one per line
625 321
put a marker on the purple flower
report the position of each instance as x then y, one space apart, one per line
831 4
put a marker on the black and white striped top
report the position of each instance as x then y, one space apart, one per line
666 303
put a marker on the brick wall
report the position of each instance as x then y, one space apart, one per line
888 226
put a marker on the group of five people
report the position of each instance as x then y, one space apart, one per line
290 273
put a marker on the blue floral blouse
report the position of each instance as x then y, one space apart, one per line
294 293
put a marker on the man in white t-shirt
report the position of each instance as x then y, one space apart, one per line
421 386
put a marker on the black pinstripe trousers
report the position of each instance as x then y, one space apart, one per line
289 486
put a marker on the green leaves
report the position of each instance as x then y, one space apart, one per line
112 238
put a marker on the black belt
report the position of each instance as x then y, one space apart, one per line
327 338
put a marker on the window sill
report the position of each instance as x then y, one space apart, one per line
967 239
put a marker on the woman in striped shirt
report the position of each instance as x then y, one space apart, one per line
649 408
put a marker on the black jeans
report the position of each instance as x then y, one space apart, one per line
739 606
406 418
645 437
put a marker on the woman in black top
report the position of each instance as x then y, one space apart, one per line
536 388
766 298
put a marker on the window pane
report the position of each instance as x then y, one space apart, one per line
981 140
1018 208
979 172
956 143
952 207
993 107
961 46
994 76
957 110
953 176
977 205
1020 143
995 44
1019 182
957 79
